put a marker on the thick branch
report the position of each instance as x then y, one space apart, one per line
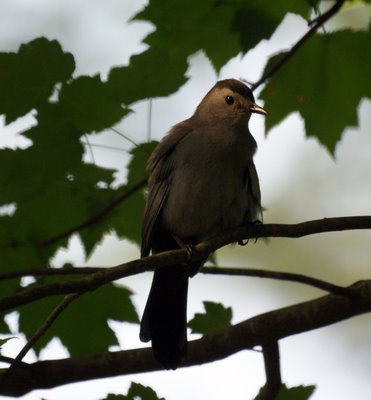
257 331
201 251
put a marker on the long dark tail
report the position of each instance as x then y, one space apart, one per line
165 317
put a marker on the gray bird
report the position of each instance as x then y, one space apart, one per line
202 181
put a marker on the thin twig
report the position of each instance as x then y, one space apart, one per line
88 145
104 146
284 276
272 371
43 328
49 272
10 360
315 24
322 18
125 136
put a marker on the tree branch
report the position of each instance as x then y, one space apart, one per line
315 25
257 331
200 252
284 276
43 329
47 271
272 371
232 271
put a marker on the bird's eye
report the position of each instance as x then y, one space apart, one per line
229 100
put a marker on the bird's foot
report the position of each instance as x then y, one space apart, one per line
245 242
189 248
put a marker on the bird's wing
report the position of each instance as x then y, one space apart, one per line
253 189
161 164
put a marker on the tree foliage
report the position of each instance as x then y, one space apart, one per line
49 193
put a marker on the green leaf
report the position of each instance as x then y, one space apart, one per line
126 218
232 26
177 23
68 208
53 192
216 317
8 287
295 393
16 253
82 327
89 105
90 186
256 20
61 206
322 84
140 392
63 196
154 73
27 78
313 3
136 392
137 166
40 165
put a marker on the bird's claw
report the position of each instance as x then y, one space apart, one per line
245 242
189 248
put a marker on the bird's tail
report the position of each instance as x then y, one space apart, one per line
165 316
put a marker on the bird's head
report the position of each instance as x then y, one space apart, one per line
230 101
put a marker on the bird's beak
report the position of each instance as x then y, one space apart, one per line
254 108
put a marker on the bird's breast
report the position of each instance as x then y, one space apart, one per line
207 192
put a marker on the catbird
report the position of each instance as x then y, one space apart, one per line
202 181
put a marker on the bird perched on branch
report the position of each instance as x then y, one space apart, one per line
202 181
